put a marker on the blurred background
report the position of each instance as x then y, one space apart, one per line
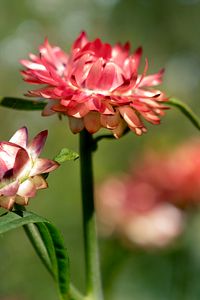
169 34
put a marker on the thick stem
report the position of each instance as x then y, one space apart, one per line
93 281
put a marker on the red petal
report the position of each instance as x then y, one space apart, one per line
107 77
153 79
79 111
80 41
94 75
130 117
136 57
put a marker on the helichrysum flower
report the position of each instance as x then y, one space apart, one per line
21 169
96 86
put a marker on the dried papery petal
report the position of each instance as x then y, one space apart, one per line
92 122
110 121
76 125
7 202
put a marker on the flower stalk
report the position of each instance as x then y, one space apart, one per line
93 280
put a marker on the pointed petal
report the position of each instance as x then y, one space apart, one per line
76 124
151 117
153 79
92 122
80 41
130 117
20 137
43 165
136 57
36 145
31 65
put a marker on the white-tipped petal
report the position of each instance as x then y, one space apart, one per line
20 137
36 145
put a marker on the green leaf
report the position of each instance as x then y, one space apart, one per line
47 242
22 104
13 220
65 155
186 110
61 259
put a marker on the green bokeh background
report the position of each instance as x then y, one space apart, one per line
169 33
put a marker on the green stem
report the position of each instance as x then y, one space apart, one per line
186 110
93 281
33 235
74 294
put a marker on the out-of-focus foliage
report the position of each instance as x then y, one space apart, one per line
169 34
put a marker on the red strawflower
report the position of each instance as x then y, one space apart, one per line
96 86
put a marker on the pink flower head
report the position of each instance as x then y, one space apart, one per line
21 169
96 86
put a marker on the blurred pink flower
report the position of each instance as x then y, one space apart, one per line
175 175
21 169
148 206
96 86
133 210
